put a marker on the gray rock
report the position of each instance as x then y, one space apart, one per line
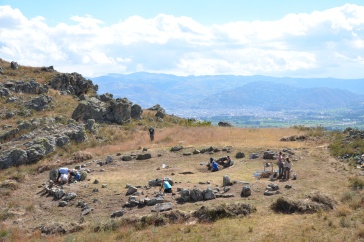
144 156
208 194
131 190
226 181
185 195
53 174
126 158
246 191
72 83
14 65
69 196
58 193
91 126
196 195
39 103
161 207
62 203
240 155
155 200
117 214
136 112
108 159
177 148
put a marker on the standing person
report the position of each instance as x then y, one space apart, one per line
287 169
167 187
280 165
151 133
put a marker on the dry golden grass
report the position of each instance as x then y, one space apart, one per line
197 137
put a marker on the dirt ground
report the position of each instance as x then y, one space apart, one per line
31 207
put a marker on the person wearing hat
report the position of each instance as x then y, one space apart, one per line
167 187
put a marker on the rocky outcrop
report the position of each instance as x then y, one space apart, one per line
30 87
33 140
111 111
72 83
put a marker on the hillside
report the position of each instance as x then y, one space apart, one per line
209 92
46 119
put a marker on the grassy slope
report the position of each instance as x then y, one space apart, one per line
24 208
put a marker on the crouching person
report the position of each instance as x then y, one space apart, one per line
166 186
215 166
62 173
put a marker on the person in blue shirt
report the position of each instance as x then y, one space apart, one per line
215 166
167 187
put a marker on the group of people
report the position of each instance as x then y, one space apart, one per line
284 167
214 165
67 175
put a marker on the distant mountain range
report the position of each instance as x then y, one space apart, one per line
228 91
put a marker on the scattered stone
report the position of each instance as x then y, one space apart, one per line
104 186
240 155
131 190
117 214
246 191
176 148
161 207
62 203
69 196
144 156
126 158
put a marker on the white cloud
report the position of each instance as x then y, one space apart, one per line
320 44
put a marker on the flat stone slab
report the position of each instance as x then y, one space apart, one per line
161 207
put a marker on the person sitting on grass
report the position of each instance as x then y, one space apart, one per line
167 187
215 166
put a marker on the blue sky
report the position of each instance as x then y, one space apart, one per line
200 37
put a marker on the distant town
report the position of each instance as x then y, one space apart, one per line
259 118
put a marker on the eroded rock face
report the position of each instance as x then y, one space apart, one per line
42 138
72 83
30 87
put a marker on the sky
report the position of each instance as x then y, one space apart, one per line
283 38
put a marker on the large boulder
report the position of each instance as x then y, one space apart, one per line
114 111
90 109
136 112
14 65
